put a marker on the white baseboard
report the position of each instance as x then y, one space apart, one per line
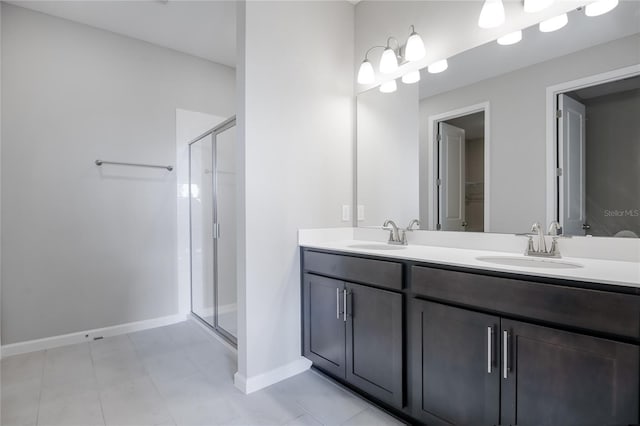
261 381
88 335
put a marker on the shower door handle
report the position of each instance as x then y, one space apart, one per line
216 231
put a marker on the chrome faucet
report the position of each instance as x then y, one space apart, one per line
395 237
415 222
541 250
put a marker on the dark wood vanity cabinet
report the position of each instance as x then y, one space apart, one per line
354 332
455 375
471 368
481 348
477 369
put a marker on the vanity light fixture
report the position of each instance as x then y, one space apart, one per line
532 6
411 77
600 7
389 59
511 38
389 86
554 23
414 49
438 66
492 14
366 75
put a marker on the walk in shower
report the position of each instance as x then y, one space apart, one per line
212 209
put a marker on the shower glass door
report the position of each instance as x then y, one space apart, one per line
213 229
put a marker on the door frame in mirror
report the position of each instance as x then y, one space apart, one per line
432 160
552 201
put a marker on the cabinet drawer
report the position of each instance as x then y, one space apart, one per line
375 272
588 309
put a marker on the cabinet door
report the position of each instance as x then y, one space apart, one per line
374 342
324 330
555 377
455 365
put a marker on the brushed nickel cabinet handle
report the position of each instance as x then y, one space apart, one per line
344 305
505 353
489 345
337 303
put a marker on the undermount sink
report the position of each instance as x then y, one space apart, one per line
529 262
376 246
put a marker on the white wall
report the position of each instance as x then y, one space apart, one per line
86 247
295 128
388 169
517 142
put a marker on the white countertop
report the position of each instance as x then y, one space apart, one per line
614 272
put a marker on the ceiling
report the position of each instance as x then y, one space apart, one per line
611 88
206 29
473 125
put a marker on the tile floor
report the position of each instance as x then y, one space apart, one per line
175 375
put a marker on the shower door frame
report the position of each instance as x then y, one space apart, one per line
225 125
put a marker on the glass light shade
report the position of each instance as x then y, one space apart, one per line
554 23
511 38
366 75
389 87
438 66
492 14
411 77
388 61
414 50
600 7
532 6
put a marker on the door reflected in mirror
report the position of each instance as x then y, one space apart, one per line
460 173
599 158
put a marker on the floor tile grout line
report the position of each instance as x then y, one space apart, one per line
44 364
95 376
153 383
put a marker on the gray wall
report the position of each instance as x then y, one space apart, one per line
518 122
387 163
613 163
86 247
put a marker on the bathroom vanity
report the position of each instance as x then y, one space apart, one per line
439 339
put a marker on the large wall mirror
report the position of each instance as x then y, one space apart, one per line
508 135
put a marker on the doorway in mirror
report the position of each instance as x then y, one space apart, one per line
459 143
598 152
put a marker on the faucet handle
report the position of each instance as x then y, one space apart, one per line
536 227
415 222
555 229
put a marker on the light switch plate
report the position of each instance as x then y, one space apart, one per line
346 213
360 212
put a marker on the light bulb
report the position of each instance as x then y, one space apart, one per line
366 75
600 7
511 38
554 23
532 6
492 14
411 77
388 61
388 87
438 66
414 50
